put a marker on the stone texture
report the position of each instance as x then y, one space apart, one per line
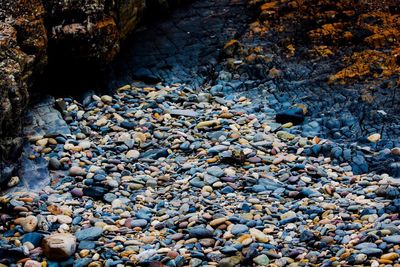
59 246
90 31
23 44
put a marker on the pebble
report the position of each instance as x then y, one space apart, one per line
132 154
394 239
258 235
261 260
13 181
374 137
28 223
76 171
200 232
215 171
138 223
32 263
92 233
239 229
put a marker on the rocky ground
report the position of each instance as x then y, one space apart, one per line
270 52
227 153
174 176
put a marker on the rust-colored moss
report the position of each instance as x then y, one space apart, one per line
363 35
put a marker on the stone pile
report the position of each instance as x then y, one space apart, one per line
174 176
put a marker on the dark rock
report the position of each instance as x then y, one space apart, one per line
34 238
96 192
394 169
294 115
155 153
200 232
306 236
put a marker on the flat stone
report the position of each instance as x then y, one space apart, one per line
215 171
394 239
184 112
92 233
138 223
200 232
96 192
239 229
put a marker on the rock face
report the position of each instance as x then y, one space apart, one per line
23 45
90 31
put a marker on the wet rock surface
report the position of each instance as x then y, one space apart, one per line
184 46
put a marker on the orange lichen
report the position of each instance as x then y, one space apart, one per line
364 35
368 63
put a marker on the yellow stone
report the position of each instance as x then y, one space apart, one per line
84 252
218 221
124 88
374 138
258 235
205 124
42 142
390 256
287 125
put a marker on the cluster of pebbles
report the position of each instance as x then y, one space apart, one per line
174 176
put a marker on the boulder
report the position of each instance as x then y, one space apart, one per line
59 246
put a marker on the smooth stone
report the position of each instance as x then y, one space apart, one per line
54 164
215 171
371 251
360 258
132 154
390 256
184 112
76 171
92 233
394 239
261 260
32 263
138 223
34 238
259 236
239 229
106 99
77 192
374 138
85 144
200 232
366 245
95 192
155 153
